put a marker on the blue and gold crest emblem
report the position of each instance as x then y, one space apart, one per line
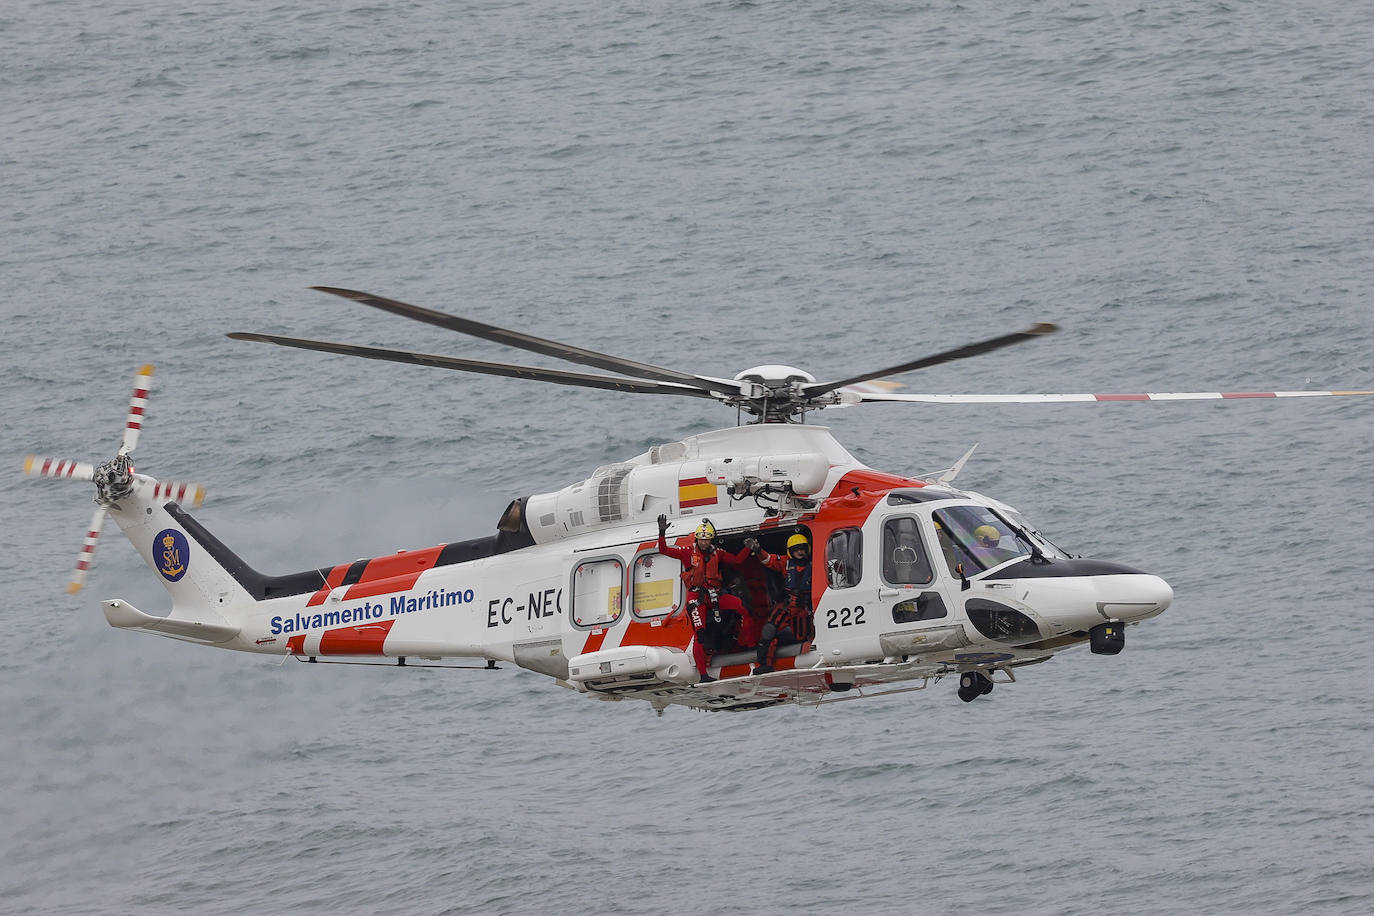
172 553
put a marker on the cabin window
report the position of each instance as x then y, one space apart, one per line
904 559
656 585
925 606
598 588
976 538
844 554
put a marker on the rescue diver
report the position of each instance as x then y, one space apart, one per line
792 619
714 614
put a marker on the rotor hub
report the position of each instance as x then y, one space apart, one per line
114 480
774 393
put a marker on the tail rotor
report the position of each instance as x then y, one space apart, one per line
114 479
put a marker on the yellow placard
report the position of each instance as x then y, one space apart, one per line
613 602
653 595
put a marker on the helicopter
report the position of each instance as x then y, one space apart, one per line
914 580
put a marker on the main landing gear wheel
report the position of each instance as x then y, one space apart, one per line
973 684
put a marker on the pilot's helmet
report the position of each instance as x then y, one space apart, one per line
798 540
706 531
987 535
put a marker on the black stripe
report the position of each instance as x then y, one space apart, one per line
1059 568
262 587
355 572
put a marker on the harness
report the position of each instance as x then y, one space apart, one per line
704 571
798 582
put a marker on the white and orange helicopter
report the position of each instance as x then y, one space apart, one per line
914 579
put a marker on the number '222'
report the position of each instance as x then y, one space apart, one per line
844 617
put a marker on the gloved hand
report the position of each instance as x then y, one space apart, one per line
663 524
752 544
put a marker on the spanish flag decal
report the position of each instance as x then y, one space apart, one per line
694 492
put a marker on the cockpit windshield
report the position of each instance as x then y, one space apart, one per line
1047 547
978 539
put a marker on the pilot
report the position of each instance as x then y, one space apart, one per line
792 619
987 538
715 614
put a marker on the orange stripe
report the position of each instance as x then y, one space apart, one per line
674 635
366 639
296 644
331 582
396 572
594 641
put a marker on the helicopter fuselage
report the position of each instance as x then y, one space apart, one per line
912 581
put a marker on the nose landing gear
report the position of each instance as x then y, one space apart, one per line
973 684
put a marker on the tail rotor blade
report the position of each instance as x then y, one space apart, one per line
36 466
192 494
83 561
138 404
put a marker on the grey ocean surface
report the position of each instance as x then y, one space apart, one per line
1187 188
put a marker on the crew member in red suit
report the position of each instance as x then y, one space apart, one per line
792 619
752 590
713 613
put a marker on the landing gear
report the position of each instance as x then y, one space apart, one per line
1107 638
973 684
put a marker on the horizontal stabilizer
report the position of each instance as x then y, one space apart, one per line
124 615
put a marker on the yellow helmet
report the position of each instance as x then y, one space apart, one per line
797 540
987 533
706 531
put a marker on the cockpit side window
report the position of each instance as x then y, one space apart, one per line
974 537
844 554
904 559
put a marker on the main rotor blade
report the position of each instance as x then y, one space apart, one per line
973 349
1076 398
534 344
557 376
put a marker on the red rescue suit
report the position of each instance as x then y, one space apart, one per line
792 619
701 579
